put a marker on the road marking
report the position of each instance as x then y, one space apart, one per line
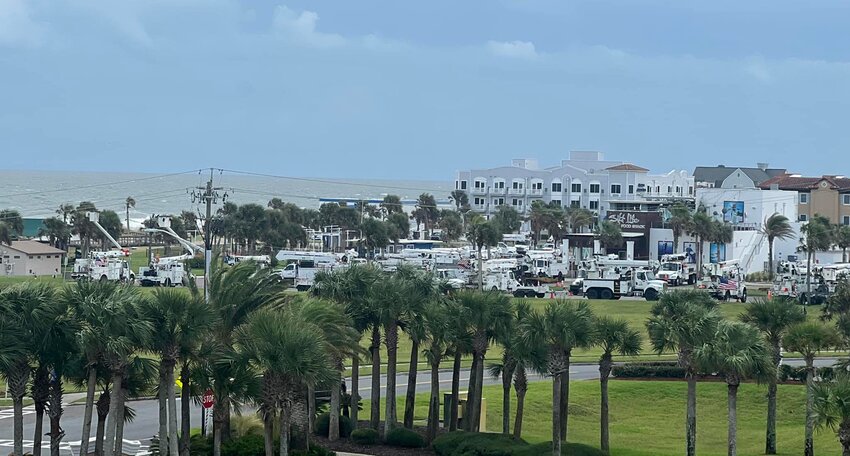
10 413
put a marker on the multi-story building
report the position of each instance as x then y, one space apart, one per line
584 180
722 176
828 196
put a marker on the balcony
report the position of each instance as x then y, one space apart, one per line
497 190
517 191
538 192
479 190
479 207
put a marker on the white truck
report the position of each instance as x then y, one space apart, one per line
104 266
633 282
675 269
168 271
725 281
500 280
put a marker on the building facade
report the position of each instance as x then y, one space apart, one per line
828 196
585 180
30 258
722 176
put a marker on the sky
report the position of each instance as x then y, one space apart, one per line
419 90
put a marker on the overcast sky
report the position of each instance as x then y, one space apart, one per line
400 89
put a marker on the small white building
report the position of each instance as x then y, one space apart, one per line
30 258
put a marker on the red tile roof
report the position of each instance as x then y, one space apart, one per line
789 182
627 167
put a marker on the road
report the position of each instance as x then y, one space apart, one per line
146 423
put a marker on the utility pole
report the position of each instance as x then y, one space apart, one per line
209 195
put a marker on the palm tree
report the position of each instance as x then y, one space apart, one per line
562 326
14 366
682 321
292 352
576 218
481 234
817 235
13 220
680 221
775 227
461 345
738 352
701 229
773 317
128 203
438 332
351 287
808 338
610 235
423 289
612 336
460 198
487 314
831 407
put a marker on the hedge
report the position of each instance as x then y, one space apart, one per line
405 438
323 425
365 436
648 370
480 444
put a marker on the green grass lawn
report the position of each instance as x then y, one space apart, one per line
647 418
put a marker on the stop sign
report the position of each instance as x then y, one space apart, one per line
208 399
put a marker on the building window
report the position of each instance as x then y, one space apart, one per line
575 203
576 188
480 184
657 189
631 189
556 203
17 257
678 190
594 188
556 187
498 201
669 189
846 199
690 190
463 185
479 201
594 205
804 198
499 184
615 188
803 218
517 185
537 185
845 220
516 202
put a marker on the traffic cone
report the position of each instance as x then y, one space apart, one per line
769 294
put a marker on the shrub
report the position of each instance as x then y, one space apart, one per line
200 445
758 277
248 445
323 424
196 263
405 438
648 370
475 444
365 436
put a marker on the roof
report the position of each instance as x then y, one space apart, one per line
717 174
628 167
789 182
33 248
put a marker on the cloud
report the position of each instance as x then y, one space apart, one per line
757 68
302 28
17 26
513 49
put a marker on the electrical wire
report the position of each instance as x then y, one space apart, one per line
101 184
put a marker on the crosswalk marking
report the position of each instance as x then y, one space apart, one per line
10 413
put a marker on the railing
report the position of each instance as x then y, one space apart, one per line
497 190
479 190
517 191
536 192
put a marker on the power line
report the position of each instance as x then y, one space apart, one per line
327 181
102 184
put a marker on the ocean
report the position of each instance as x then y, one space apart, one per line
37 194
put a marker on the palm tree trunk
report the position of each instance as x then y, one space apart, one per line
112 417
391 340
410 398
54 411
119 423
810 422
691 423
333 426
103 403
808 283
38 429
844 437
173 447
284 431
268 430
480 270
521 386
604 372
185 410
770 437
556 415
311 410
40 397
355 391
469 410
565 399
434 403
507 376
770 262
455 391
162 401
375 416
87 414
732 399
217 430
18 425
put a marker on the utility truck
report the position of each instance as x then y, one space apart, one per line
725 281
631 283
677 270
104 266
168 271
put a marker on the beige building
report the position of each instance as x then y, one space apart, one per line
828 196
31 258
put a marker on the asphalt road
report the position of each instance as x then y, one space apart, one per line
146 423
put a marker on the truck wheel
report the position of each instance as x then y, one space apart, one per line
804 300
606 294
541 295
727 297
592 293
168 282
650 294
744 296
691 280
494 289
519 294
103 278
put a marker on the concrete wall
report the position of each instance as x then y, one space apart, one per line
758 204
39 265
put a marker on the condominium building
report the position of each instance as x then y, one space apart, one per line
583 180
828 196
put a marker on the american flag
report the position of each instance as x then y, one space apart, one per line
727 284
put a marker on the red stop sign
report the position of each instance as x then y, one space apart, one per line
208 399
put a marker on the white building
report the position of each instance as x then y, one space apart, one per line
31 258
584 180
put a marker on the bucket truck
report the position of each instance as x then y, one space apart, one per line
167 271
725 281
104 266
